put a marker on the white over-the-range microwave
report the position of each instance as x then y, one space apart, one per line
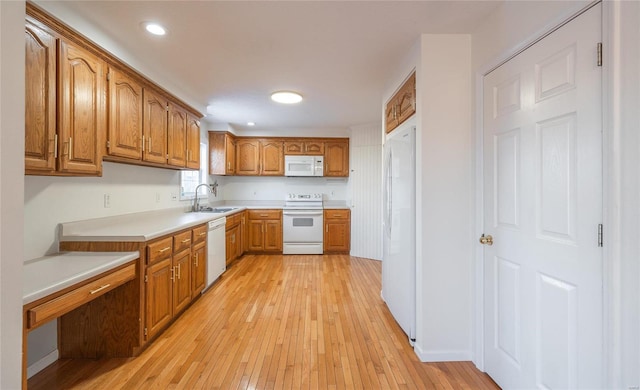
303 165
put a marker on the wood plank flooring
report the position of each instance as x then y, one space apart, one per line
277 322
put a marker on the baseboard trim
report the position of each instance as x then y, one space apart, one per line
441 356
42 363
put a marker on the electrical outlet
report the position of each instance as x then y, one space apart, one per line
174 196
333 193
107 201
157 197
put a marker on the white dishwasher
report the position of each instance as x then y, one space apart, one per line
216 258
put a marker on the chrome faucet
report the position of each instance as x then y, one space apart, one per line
195 206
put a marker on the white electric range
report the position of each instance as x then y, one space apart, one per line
302 224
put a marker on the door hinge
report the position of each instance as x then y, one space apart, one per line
599 53
600 239
146 278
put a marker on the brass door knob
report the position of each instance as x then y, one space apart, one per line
486 240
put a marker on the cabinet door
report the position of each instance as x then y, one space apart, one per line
272 158
406 99
243 233
336 159
337 236
182 280
230 155
177 136
40 100
159 296
155 127
125 116
256 235
273 235
293 147
315 148
391 115
199 270
82 110
247 157
193 142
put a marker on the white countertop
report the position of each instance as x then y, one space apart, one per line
49 274
136 227
335 204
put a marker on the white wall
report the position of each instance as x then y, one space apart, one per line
445 181
366 174
11 190
276 188
443 193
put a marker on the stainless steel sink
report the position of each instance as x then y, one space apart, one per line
216 209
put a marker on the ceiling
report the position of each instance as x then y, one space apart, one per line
230 55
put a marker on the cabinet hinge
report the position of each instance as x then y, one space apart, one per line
600 238
599 49
145 332
108 76
167 108
109 145
146 278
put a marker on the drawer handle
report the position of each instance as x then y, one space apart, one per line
203 234
336 215
186 240
264 215
97 290
164 250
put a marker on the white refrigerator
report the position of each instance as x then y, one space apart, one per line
399 260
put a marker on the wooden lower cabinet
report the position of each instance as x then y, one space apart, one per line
264 231
199 270
181 280
234 237
176 274
159 296
337 230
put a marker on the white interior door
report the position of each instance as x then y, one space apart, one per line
543 207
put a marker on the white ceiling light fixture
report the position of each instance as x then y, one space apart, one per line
286 97
154 28
251 123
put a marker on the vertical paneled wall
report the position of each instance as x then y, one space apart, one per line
366 186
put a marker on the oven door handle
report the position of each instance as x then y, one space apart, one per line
301 213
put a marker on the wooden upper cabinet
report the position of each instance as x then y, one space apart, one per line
40 100
82 119
177 136
402 105
272 158
248 157
193 142
155 127
259 157
125 116
336 158
306 147
222 153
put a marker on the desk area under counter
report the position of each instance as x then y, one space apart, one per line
96 298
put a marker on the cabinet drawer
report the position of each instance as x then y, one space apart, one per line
199 234
232 220
181 241
160 249
79 296
265 214
337 214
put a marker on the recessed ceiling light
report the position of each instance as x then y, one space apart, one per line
154 28
251 123
286 97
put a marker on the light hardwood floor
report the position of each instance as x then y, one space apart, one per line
277 322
